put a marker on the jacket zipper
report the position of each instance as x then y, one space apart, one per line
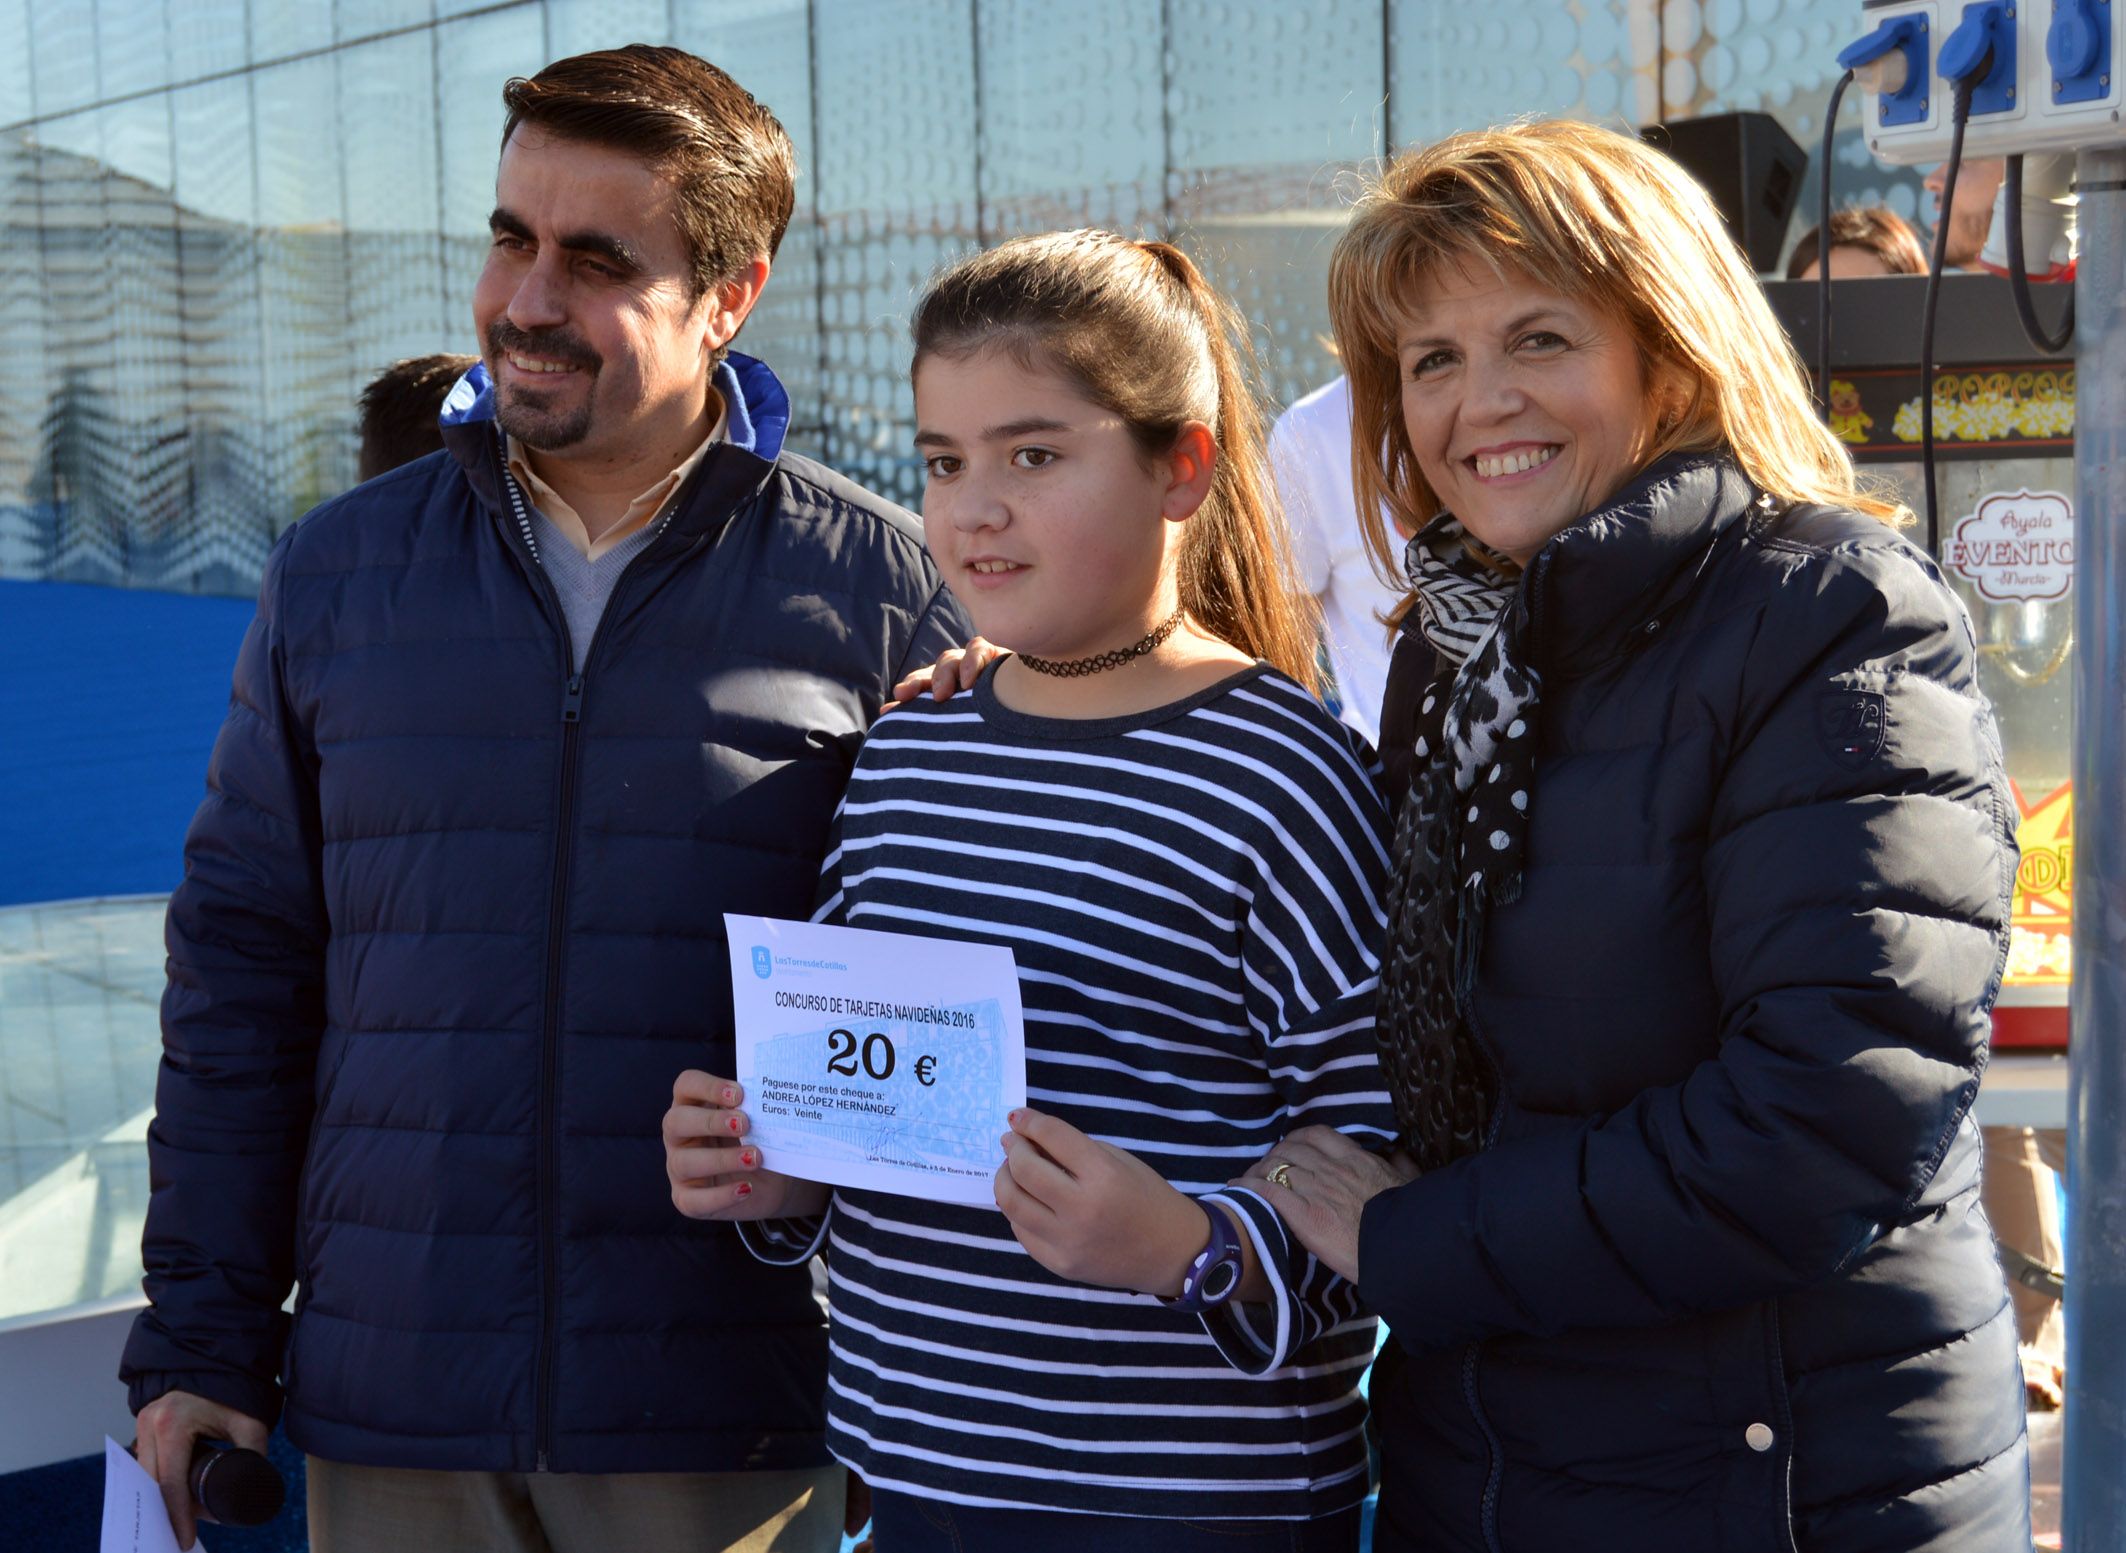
550 1049
550 1005
1785 1415
1488 1508
1489 1516
556 939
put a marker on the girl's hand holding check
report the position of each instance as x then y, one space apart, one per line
715 1172
1093 1213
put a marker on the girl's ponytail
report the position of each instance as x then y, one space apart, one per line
1237 577
1140 331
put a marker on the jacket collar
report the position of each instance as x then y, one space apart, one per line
757 411
1605 584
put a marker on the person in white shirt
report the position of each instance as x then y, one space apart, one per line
1310 454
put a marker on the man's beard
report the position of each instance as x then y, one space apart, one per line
1967 236
519 410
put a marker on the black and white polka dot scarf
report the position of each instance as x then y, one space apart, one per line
1458 841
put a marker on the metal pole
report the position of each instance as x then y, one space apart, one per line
2094 1467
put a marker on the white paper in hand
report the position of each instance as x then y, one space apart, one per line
877 1060
135 1520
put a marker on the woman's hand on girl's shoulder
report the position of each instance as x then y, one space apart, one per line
957 669
1093 1213
1320 1181
715 1173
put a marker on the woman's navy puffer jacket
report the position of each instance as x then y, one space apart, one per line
1719 1282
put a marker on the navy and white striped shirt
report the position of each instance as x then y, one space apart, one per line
1193 897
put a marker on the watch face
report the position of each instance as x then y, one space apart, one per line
1218 1281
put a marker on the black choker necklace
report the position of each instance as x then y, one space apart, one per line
1071 668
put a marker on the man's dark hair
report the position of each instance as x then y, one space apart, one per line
733 167
1877 228
400 410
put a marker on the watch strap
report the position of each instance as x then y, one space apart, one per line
1213 1274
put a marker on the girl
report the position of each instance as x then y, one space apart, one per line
1185 853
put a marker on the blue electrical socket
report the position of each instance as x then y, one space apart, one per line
1988 27
1906 35
2078 50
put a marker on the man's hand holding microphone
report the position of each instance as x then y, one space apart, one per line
206 1484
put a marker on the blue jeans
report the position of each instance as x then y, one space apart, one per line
909 1523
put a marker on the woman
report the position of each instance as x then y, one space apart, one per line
1865 241
1700 903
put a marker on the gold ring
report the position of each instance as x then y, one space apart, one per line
1282 1175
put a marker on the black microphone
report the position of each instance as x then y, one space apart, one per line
235 1486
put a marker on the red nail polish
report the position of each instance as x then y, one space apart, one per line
727 1095
747 1157
732 1124
745 1188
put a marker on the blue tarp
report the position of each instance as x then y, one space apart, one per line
109 702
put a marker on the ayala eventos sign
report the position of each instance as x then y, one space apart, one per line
2016 546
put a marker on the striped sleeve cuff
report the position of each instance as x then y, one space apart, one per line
1256 1339
785 1242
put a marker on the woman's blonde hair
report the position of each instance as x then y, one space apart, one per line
1608 221
1136 329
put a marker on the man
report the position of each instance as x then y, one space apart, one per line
515 725
402 411
1971 220
1310 457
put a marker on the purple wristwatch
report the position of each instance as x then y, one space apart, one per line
1214 1274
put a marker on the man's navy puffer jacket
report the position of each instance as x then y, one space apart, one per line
451 924
1720 1282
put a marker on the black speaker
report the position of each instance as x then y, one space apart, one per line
1751 167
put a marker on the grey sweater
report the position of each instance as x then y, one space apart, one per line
583 584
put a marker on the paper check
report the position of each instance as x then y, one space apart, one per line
877 1060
